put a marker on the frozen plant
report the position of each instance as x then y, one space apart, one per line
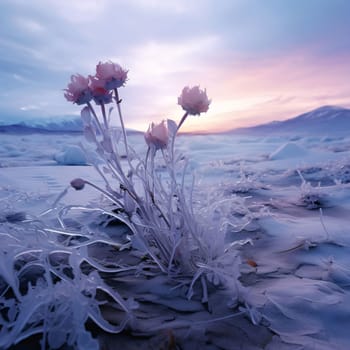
247 182
311 197
158 210
157 207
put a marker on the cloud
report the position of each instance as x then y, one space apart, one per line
250 54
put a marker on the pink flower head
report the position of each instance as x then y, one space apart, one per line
99 93
112 74
157 135
78 90
194 100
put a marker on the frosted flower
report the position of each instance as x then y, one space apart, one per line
78 90
194 100
157 135
113 75
99 92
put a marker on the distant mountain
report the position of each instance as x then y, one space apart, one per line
60 125
19 129
74 125
43 126
326 120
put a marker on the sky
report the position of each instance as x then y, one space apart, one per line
260 60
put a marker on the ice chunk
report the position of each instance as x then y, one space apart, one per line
71 155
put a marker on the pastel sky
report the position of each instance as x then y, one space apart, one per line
260 60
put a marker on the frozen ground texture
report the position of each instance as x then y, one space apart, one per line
292 200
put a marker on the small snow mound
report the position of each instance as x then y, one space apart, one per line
71 155
288 150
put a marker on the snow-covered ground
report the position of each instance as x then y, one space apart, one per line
296 192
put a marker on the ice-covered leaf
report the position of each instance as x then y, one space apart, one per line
89 133
86 115
172 127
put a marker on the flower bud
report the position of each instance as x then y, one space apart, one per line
78 184
157 135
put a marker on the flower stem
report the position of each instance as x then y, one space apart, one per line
117 101
103 110
173 138
95 116
181 122
105 193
